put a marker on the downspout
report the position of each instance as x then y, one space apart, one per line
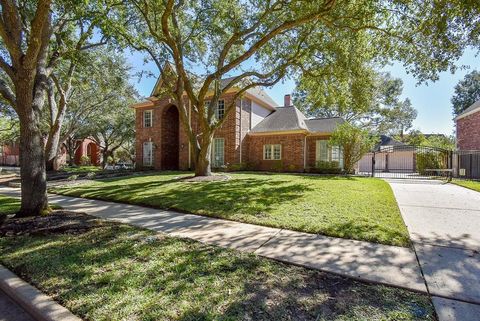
189 143
305 153
241 140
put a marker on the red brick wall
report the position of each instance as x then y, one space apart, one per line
468 132
292 152
82 151
229 131
152 134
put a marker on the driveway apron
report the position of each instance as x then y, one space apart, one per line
444 224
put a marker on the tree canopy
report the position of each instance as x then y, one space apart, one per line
467 92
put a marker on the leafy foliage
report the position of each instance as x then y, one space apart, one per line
467 92
354 141
376 105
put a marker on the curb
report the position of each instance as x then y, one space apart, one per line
37 304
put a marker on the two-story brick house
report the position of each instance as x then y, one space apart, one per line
257 134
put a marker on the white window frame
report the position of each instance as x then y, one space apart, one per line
331 151
150 112
221 102
271 149
217 109
216 164
147 161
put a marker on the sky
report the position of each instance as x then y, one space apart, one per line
432 100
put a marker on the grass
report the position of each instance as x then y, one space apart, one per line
114 271
10 205
79 169
346 207
474 185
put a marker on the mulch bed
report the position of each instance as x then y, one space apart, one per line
58 222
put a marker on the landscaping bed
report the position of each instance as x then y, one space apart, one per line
102 270
348 207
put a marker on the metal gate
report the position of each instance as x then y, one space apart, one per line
407 161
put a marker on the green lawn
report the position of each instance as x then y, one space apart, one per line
109 271
475 185
8 205
347 207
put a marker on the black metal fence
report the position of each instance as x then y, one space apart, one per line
466 164
407 161
421 162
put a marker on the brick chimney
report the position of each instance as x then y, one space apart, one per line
287 101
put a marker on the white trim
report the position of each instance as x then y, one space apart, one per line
188 137
272 151
305 152
471 112
150 111
149 161
241 129
214 150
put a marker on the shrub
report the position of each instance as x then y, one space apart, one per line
355 142
85 160
91 175
73 177
323 167
277 166
237 167
430 160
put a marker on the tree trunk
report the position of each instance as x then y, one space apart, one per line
203 157
32 166
105 155
52 146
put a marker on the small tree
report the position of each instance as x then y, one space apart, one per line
354 141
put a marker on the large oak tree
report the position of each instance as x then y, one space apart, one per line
25 35
260 42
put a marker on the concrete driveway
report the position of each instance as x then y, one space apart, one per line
444 224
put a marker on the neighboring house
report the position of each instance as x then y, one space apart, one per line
390 156
9 154
257 134
87 148
468 128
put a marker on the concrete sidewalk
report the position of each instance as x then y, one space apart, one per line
377 263
444 224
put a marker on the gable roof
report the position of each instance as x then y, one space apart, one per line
282 119
470 110
291 119
256 93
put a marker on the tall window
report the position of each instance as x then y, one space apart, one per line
219 110
218 152
148 118
326 153
272 152
147 154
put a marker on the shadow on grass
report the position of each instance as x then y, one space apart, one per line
121 272
220 198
